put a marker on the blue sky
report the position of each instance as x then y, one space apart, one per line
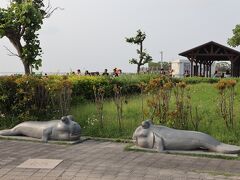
90 34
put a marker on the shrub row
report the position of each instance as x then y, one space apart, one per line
196 80
25 98
83 85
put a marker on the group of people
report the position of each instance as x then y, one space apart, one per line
222 74
186 73
167 72
116 72
216 74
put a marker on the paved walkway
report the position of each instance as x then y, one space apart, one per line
107 160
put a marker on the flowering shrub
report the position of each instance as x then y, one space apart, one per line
99 99
183 106
226 89
181 114
160 90
118 100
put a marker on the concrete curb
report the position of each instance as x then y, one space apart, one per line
24 138
196 152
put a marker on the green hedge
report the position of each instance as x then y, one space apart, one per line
83 85
196 80
25 98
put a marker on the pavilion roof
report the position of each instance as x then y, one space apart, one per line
211 51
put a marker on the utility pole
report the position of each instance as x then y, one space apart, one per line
161 63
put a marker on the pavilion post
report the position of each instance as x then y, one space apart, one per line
232 74
204 69
207 70
196 69
200 69
210 69
235 66
191 68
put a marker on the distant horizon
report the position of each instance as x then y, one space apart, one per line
75 70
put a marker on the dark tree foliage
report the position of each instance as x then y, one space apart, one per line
20 22
235 40
144 57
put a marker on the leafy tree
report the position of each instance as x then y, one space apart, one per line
235 40
19 22
144 57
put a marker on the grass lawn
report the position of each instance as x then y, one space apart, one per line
204 95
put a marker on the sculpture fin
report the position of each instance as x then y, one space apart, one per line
160 145
7 132
46 134
228 149
159 142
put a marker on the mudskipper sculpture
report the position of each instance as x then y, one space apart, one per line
163 138
65 129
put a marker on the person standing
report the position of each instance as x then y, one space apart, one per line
105 73
115 74
87 73
79 72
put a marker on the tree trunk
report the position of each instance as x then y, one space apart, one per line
140 58
26 68
138 68
18 46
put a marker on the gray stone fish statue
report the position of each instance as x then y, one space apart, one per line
65 129
163 138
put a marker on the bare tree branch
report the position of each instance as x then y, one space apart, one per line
49 5
10 52
50 11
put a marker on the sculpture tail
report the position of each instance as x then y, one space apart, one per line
7 132
227 148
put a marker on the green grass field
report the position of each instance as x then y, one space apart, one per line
204 95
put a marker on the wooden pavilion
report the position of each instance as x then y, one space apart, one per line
202 57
